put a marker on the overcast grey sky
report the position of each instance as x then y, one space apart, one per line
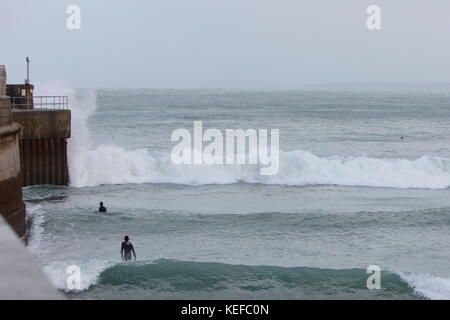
267 44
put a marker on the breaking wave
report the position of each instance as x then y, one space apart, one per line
206 280
92 165
113 165
428 286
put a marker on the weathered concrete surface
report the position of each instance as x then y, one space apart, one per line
41 124
5 106
43 146
2 80
20 277
5 111
9 151
11 204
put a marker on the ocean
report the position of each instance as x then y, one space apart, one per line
350 193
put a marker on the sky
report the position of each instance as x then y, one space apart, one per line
230 44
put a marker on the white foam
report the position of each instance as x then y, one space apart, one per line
435 288
56 270
109 164
90 271
37 216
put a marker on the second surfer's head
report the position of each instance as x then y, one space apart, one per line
126 238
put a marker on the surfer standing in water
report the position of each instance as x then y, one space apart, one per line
126 250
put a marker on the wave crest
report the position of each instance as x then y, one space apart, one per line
206 280
109 164
91 165
431 287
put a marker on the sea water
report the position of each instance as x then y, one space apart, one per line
350 192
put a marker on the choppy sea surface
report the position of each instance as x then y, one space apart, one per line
350 193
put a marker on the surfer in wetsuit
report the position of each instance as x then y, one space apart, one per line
126 250
102 208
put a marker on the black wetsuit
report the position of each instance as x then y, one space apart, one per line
128 248
102 209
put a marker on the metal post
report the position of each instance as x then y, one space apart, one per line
27 82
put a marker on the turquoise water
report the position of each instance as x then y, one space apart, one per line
170 279
350 193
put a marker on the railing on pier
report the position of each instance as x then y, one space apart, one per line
40 102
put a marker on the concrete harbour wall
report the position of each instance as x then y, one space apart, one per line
20 276
12 208
43 146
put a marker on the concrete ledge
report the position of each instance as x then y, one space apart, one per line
5 111
2 80
40 124
16 221
20 277
5 98
8 130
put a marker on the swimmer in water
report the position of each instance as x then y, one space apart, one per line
127 249
102 208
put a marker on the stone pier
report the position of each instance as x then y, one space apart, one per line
12 208
20 276
43 145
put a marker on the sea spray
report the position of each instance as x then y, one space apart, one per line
35 218
90 271
428 286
